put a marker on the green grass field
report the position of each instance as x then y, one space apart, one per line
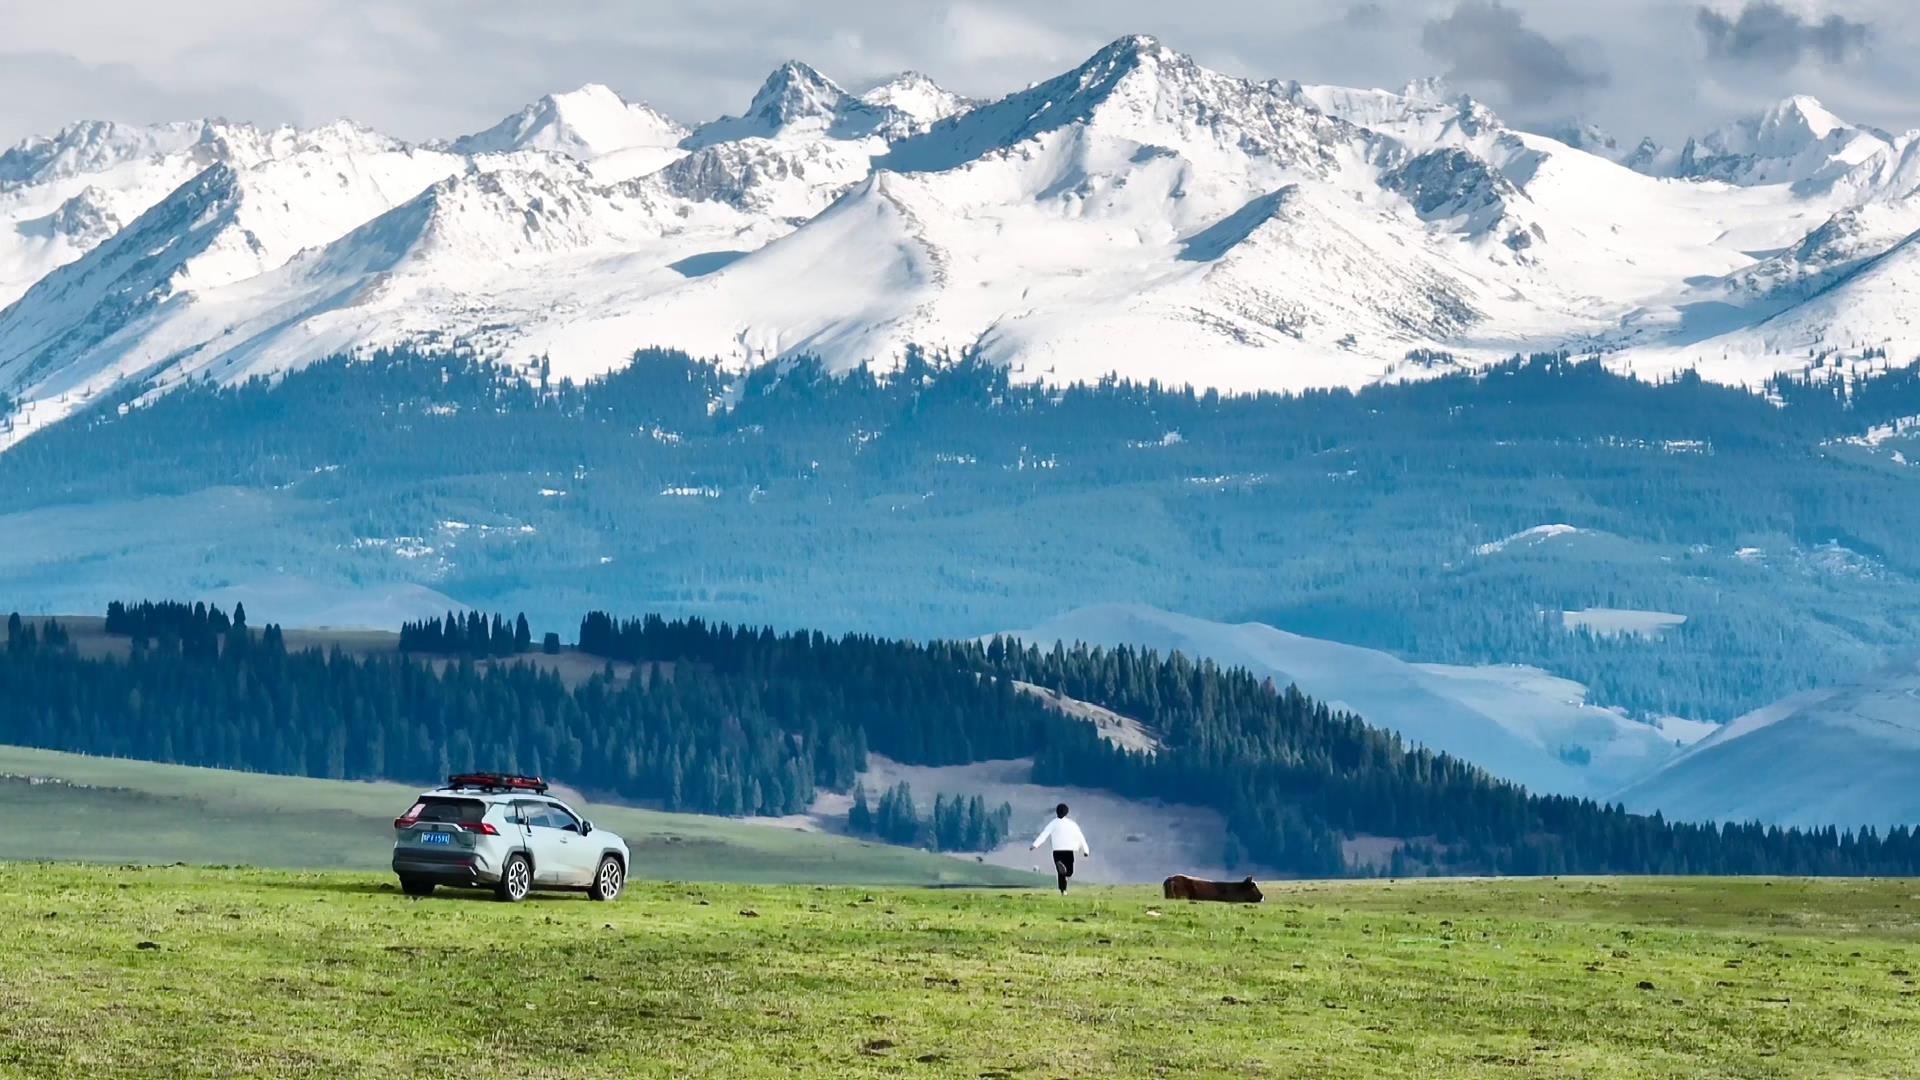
113 810
253 972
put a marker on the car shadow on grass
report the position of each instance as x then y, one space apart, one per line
388 888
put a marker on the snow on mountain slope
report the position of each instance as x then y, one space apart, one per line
93 147
918 98
587 123
1425 114
802 143
1139 214
488 252
1519 723
797 102
1846 757
1151 205
1795 141
60 196
1853 304
807 294
1139 91
77 332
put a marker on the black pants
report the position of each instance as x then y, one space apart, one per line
1063 866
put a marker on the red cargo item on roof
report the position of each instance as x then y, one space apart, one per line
497 782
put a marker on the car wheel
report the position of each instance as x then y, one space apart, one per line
608 880
516 879
416 887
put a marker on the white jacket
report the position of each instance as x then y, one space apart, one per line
1066 836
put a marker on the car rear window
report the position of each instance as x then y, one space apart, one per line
437 809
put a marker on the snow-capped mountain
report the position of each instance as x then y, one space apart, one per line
1139 214
917 97
63 194
798 102
1795 141
589 123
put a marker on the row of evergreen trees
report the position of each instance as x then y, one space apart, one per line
957 823
24 638
472 635
747 721
566 486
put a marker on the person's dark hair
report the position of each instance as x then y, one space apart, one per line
1060 811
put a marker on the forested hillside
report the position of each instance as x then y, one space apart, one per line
948 501
748 721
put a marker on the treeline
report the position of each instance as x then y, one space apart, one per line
733 720
472 635
24 638
1295 779
956 823
874 502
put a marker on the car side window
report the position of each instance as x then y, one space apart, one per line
559 818
524 813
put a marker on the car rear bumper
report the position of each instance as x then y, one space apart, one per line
445 867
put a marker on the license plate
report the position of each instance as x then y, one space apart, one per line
436 838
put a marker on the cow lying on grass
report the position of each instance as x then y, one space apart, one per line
1182 887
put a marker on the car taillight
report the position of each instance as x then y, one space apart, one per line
480 827
404 822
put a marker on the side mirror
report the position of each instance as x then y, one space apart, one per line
585 827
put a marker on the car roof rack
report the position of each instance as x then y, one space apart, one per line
496 782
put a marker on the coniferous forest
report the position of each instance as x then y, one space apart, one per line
689 715
948 499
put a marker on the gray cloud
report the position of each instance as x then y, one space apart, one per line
439 68
1765 32
1485 41
45 91
1365 14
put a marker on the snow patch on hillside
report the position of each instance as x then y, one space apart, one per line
1525 537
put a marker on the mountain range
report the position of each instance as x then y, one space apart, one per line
1139 215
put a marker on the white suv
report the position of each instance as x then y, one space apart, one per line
507 832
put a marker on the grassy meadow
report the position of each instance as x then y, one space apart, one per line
113 810
110 971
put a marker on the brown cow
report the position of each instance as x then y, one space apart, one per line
1182 887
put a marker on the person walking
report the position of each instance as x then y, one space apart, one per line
1067 839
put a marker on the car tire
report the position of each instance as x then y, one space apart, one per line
516 879
609 878
416 887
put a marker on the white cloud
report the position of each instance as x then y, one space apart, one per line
980 34
422 68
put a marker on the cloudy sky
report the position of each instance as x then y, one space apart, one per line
423 68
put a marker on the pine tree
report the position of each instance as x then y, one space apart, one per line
860 818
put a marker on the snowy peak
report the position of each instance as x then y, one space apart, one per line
1425 114
482 218
1138 215
1794 141
918 98
1794 122
797 101
84 220
1139 91
794 93
95 146
586 123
